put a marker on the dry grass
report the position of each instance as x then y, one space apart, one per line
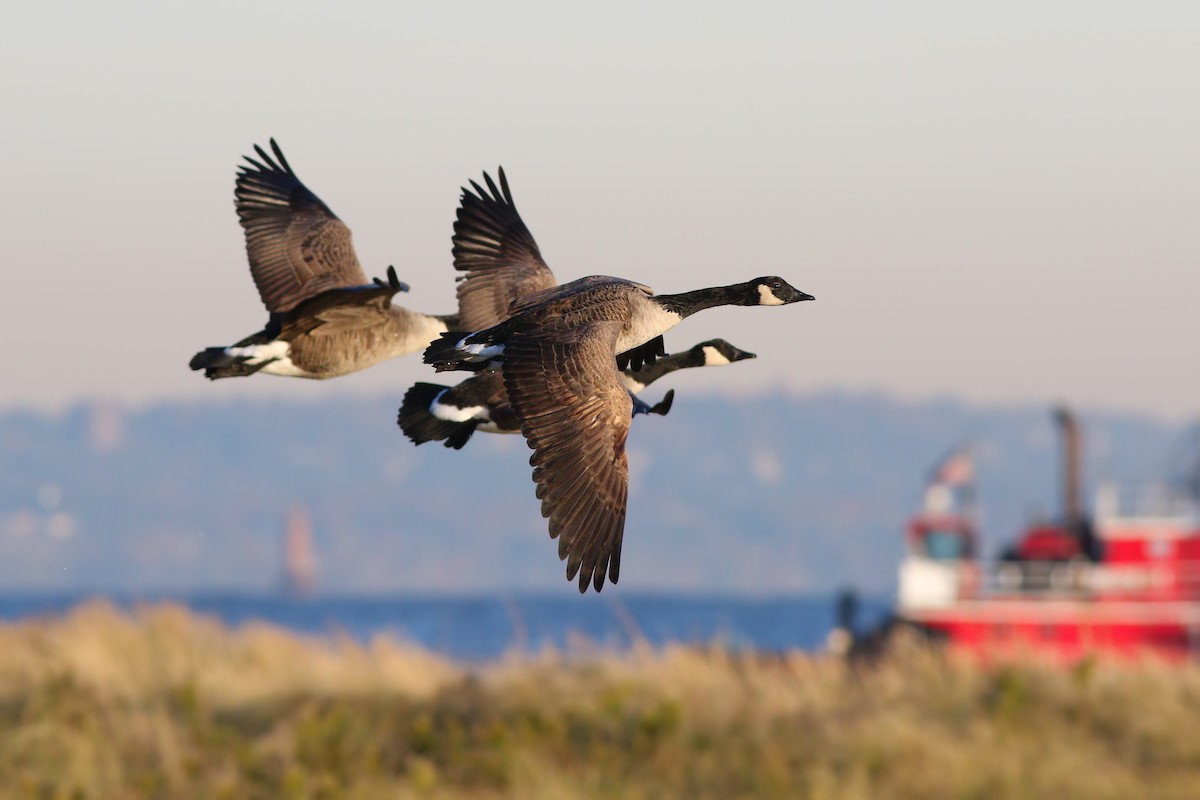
167 704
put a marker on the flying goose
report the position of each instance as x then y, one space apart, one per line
557 356
500 262
450 414
325 318
643 316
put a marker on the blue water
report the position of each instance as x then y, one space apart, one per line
487 626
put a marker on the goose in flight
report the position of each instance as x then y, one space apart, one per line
558 353
325 318
450 414
501 263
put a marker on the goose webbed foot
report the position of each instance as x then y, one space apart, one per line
661 408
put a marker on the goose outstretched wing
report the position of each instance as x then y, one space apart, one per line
575 412
297 246
497 254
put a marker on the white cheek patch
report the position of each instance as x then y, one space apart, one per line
766 297
713 357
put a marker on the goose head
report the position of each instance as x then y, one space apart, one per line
718 352
774 291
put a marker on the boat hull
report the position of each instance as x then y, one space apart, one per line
1066 629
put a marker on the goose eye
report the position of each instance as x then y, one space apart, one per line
776 285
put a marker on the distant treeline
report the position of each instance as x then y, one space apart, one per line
771 493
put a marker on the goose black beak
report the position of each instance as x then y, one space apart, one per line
802 296
742 355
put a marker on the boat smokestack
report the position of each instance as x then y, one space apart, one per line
1072 466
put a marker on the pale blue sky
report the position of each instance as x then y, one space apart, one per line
991 201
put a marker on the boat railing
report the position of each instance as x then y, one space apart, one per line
1150 501
1082 578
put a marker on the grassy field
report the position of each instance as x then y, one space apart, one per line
167 704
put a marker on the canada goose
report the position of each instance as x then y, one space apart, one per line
501 263
452 413
325 318
431 412
557 356
643 316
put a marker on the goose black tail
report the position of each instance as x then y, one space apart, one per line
419 423
217 363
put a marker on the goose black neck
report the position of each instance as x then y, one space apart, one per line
649 373
687 303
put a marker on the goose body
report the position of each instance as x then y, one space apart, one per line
450 414
643 317
558 355
500 264
325 319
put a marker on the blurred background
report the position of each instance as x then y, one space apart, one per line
995 207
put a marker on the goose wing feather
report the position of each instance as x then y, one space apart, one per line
342 309
296 245
575 411
580 295
497 253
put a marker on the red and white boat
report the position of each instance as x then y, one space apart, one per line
1123 580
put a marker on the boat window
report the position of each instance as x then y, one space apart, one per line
945 545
